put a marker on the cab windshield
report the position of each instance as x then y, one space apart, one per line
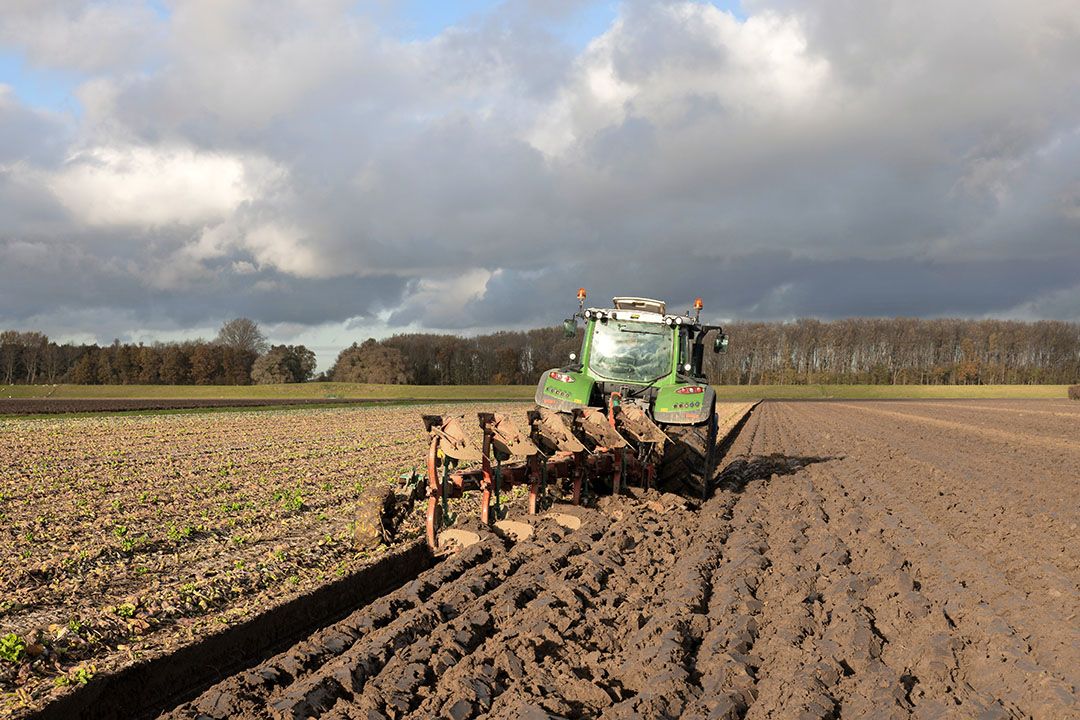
635 351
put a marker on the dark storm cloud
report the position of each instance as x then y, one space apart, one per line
66 279
814 158
776 286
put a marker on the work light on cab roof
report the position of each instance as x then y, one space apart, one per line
633 405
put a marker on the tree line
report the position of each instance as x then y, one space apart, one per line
853 351
856 351
900 351
239 355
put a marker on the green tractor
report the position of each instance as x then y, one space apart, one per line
636 356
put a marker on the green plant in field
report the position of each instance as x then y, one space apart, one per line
12 647
289 499
125 610
227 508
177 534
82 675
129 543
120 531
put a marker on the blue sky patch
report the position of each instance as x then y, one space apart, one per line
50 89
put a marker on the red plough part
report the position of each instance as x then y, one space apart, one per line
589 452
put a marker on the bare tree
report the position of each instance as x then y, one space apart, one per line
242 334
10 353
34 344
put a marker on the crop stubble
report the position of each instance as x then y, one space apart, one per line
122 538
860 560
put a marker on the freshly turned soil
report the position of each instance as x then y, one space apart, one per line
860 559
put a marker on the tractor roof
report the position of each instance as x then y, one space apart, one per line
641 310
641 304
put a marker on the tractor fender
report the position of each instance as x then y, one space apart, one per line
561 395
677 409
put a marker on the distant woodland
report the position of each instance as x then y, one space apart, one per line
852 351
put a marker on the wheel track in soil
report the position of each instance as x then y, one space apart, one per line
1021 407
1005 437
992 647
805 588
1036 592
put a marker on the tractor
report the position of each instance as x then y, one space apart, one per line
636 355
633 407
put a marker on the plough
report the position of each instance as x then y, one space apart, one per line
589 450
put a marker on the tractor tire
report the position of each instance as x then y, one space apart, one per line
689 462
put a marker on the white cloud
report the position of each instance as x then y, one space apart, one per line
83 36
287 248
442 302
660 62
147 186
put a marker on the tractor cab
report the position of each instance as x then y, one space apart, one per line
640 354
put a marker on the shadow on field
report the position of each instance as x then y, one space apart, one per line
742 470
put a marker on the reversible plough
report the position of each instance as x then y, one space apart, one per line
589 450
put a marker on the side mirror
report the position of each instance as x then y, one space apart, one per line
720 344
569 327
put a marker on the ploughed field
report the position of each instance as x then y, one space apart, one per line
859 559
877 559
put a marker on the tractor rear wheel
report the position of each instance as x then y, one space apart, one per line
690 460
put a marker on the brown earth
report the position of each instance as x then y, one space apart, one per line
860 560
129 540
123 538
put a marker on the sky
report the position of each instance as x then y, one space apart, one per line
336 169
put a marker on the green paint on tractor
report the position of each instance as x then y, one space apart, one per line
635 353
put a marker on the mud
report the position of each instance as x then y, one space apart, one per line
858 560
